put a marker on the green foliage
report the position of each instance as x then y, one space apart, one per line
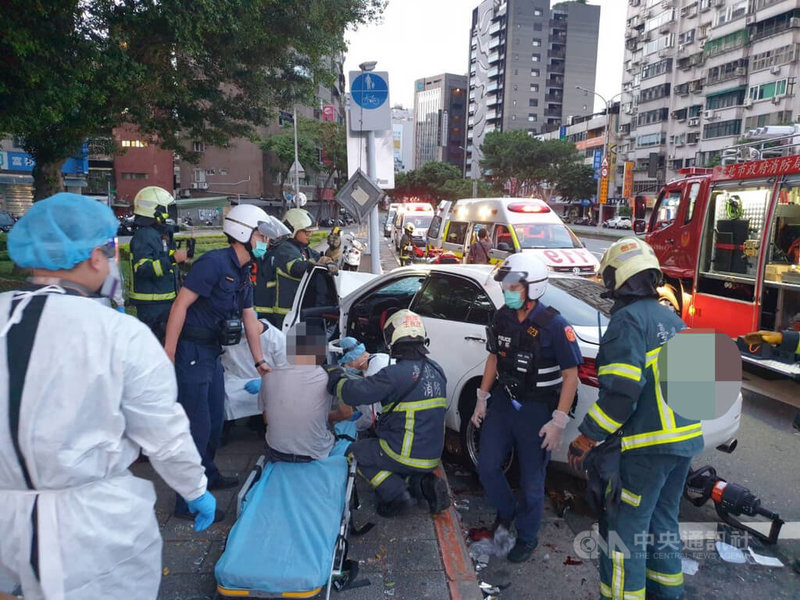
182 71
536 166
281 145
625 211
714 161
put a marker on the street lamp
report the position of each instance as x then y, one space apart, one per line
605 147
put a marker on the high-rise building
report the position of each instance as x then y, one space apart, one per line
525 61
698 75
440 110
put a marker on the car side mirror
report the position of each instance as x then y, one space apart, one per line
504 247
639 226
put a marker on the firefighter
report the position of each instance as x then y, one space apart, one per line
292 259
410 431
531 376
153 259
642 550
407 245
334 251
788 341
264 268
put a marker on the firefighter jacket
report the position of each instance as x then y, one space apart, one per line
264 284
630 403
413 401
152 267
406 246
291 261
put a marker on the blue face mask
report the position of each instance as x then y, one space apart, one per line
512 299
260 249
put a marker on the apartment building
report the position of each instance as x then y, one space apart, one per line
698 75
440 110
525 61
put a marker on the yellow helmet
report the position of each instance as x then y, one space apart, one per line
410 227
403 326
148 200
627 256
297 219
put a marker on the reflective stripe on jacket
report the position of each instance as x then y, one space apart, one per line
292 260
630 397
412 394
265 285
152 268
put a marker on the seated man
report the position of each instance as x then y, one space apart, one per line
295 402
242 380
358 362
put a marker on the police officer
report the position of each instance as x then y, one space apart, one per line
264 268
216 298
531 375
292 259
656 443
411 391
153 259
407 245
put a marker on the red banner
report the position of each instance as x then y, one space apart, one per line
759 168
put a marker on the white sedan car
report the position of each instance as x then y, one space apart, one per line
456 303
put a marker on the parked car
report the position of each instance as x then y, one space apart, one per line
618 222
388 224
456 303
7 221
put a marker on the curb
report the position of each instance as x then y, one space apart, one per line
462 580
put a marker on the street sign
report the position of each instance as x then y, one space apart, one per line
384 153
604 172
359 195
370 110
604 190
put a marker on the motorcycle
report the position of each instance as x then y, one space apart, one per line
351 255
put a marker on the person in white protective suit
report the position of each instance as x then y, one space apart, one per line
82 389
355 360
242 381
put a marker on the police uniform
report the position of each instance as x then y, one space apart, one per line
656 449
291 260
410 430
155 278
546 345
224 291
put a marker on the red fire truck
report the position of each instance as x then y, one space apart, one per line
728 240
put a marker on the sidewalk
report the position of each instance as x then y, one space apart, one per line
410 558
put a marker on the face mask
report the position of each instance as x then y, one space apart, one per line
260 249
512 299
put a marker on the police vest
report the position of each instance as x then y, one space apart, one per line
521 368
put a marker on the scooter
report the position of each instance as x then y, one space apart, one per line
351 255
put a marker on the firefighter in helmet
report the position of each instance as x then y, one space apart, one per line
407 245
655 443
531 376
154 259
399 461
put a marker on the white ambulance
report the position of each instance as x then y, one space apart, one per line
514 225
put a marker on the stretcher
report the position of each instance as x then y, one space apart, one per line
293 521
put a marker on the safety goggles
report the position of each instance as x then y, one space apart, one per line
508 278
110 248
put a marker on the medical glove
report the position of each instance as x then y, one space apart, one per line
253 386
205 506
553 430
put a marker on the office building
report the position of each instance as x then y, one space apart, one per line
525 61
440 110
698 75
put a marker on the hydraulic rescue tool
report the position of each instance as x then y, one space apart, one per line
730 500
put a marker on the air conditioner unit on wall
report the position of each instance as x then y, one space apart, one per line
748 102
776 99
708 114
194 185
775 70
794 22
694 121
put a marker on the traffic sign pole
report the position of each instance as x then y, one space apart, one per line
374 230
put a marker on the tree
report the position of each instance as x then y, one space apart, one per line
182 71
333 142
426 183
281 145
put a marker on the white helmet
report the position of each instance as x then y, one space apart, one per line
524 268
403 326
297 219
148 199
241 220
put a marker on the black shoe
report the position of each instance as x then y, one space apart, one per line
415 486
434 490
219 515
521 551
399 506
224 483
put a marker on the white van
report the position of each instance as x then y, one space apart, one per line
514 225
418 214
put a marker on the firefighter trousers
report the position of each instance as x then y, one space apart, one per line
384 474
641 555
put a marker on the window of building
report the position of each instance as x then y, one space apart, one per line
532 117
654 93
533 102
537 12
134 175
535 72
133 144
766 91
537 26
660 43
735 10
687 37
722 129
734 98
651 139
778 56
775 118
536 57
653 116
199 174
537 43
223 171
694 110
198 146
657 68
729 70
534 87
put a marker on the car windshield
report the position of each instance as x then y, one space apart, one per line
579 301
420 222
545 235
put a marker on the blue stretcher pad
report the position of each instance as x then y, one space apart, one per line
285 538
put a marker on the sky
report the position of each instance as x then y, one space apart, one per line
422 38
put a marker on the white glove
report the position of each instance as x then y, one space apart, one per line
553 430
480 408
482 396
